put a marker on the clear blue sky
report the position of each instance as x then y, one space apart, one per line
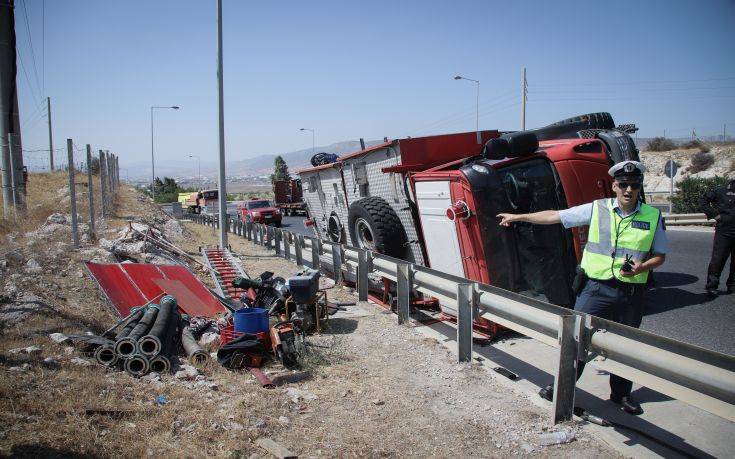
364 69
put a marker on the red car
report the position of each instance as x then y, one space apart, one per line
259 211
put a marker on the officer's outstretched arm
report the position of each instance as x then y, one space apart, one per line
545 217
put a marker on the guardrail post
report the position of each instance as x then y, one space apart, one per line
249 231
364 266
403 291
263 232
465 306
566 375
269 231
256 233
277 240
337 257
316 251
287 244
298 246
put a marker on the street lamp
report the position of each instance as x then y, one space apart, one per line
199 169
312 138
477 116
153 159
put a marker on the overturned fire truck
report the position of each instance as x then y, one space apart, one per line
433 200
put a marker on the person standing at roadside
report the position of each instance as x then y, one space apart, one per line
626 240
720 205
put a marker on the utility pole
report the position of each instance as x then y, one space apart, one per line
724 133
9 118
222 188
50 137
524 98
90 192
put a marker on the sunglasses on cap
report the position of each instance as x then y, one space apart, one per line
633 185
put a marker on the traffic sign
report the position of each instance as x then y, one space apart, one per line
670 168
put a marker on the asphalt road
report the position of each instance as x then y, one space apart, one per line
677 306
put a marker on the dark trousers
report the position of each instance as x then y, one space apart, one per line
616 301
723 248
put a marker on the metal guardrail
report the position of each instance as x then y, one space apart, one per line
688 219
698 376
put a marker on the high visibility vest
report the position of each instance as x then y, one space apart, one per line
612 237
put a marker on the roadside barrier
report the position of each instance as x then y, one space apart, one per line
698 376
688 219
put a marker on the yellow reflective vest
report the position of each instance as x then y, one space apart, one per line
612 237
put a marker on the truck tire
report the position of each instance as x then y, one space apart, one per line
619 145
600 120
374 225
569 128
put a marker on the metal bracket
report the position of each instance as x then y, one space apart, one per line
565 379
403 291
466 300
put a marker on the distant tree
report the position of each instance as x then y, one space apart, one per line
660 144
280 170
167 190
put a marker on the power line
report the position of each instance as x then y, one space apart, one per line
28 80
30 43
626 83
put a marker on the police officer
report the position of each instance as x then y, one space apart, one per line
720 205
626 240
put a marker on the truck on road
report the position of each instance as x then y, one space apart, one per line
289 197
433 200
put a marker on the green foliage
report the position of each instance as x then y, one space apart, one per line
691 189
167 190
704 148
660 144
701 161
280 170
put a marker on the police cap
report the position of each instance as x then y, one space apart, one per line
627 169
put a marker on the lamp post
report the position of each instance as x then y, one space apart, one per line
199 169
312 138
153 158
477 113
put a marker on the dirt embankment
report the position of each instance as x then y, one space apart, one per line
656 180
376 389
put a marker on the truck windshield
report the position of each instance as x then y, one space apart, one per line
535 260
258 204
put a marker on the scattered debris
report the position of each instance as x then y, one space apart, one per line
556 438
59 338
279 451
80 362
161 400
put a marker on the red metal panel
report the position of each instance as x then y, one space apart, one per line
135 284
143 276
182 274
440 149
116 285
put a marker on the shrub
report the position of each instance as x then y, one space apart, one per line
704 148
660 144
690 191
701 161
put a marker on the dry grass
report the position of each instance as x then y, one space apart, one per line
48 193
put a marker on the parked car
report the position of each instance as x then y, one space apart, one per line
259 211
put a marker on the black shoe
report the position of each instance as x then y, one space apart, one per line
711 293
547 393
628 405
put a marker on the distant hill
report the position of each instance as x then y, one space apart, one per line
263 164
258 165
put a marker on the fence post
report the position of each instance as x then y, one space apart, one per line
465 306
403 291
299 245
337 255
364 266
13 184
90 191
103 187
287 245
72 193
566 374
316 251
277 238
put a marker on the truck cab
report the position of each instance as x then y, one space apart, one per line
458 203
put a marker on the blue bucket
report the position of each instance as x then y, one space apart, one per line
251 320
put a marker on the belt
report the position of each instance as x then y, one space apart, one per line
626 287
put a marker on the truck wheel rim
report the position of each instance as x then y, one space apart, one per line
364 234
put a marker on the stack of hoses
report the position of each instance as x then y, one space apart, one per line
149 338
